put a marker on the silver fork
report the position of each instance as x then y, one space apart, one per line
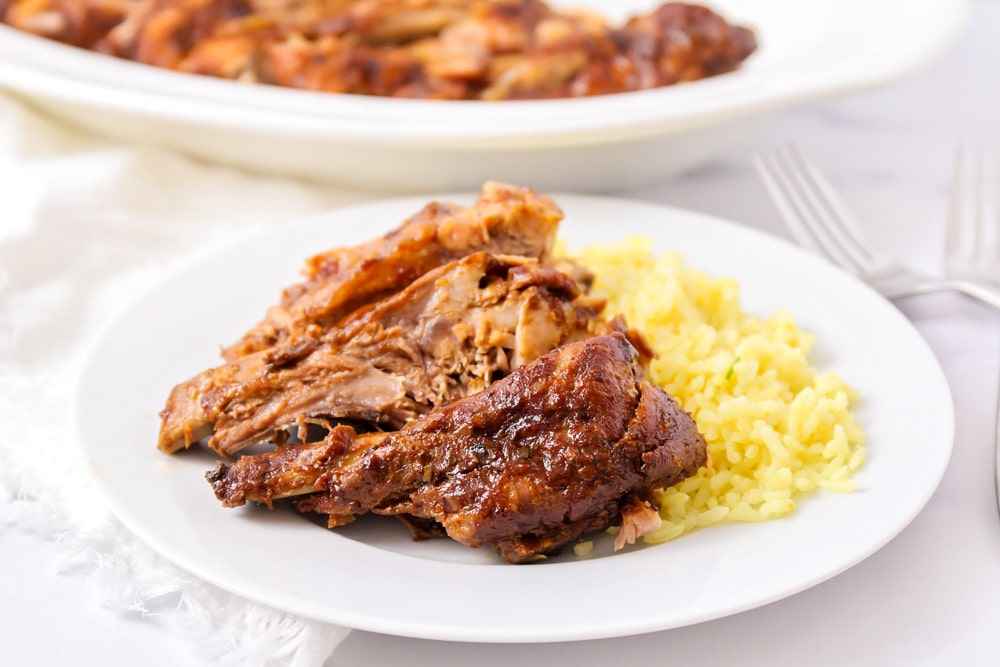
972 240
819 219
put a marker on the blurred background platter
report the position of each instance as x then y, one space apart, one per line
807 51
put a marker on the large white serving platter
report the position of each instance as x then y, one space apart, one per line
370 575
808 51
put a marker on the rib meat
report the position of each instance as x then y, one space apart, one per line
448 335
505 220
575 441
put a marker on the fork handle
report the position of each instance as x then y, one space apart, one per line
984 293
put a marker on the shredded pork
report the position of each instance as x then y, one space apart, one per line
449 334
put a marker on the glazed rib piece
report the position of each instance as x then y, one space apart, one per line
505 220
439 49
448 335
573 442
291 470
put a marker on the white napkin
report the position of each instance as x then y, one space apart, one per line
86 226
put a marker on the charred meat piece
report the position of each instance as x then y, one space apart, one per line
290 470
437 49
448 335
573 442
505 220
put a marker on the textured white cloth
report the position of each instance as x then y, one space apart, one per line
87 225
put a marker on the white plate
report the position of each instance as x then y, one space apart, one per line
372 576
808 50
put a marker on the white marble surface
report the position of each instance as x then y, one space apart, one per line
931 597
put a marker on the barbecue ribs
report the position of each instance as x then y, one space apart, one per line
573 442
505 220
448 335
440 49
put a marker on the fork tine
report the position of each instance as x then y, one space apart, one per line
989 220
840 220
995 200
972 239
795 200
786 201
960 225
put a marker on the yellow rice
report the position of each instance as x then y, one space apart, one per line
776 426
